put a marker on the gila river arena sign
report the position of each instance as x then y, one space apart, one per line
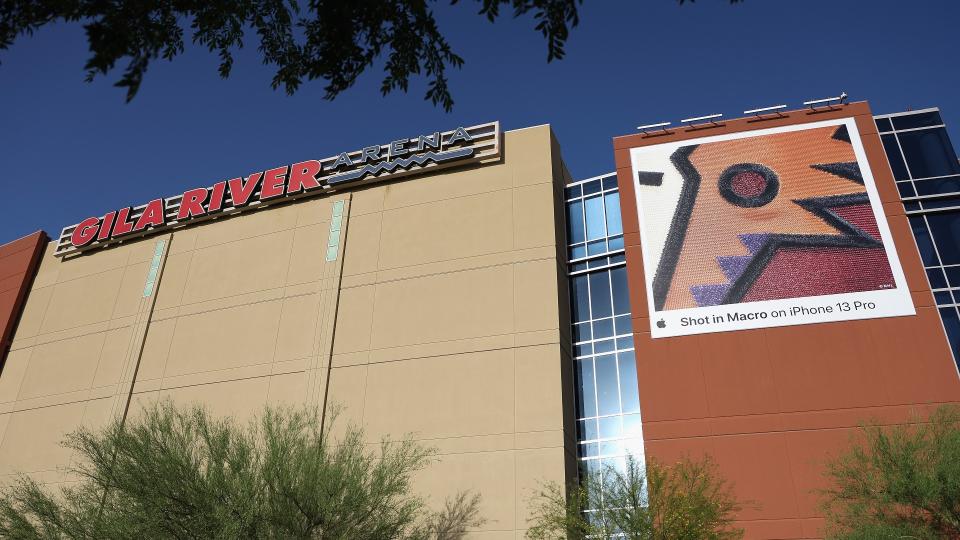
402 157
770 227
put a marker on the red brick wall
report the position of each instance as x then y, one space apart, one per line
18 264
770 405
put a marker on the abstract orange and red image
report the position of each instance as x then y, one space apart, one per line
782 215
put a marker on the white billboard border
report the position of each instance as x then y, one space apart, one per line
893 302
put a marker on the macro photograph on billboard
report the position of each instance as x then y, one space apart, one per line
770 227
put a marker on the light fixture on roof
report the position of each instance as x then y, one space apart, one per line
759 113
826 102
707 119
646 128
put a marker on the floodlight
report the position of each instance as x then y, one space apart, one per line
647 127
762 110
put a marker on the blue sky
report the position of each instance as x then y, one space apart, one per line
69 149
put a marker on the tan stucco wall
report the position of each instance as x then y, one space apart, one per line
444 316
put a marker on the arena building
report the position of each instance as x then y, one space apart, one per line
749 289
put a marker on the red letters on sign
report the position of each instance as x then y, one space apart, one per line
85 232
241 192
152 215
122 226
303 176
105 228
191 204
216 197
273 181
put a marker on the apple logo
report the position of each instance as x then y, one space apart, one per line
661 324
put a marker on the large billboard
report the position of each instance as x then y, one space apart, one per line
770 227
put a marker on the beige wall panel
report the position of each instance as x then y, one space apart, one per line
34 311
444 307
116 346
82 301
362 244
173 280
534 467
528 153
89 265
447 229
42 429
535 295
130 295
49 268
14 370
156 350
533 216
62 366
539 388
308 256
354 319
313 211
224 338
288 390
239 267
240 399
367 200
447 396
97 414
183 240
346 396
297 336
438 187
491 474
248 225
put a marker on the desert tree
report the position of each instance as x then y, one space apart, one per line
686 500
897 482
172 472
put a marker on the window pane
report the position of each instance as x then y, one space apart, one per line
924 244
929 153
616 242
597 247
595 228
906 189
946 202
588 429
600 295
607 345
945 228
894 157
614 225
603 329
632 425
953 275
623 325
591 187
575 222
883 124
952 326
581 298
608 395
621 295
942 297
917 120
586 401
629 391
581 332
950 184
610 427
935 276
573 192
